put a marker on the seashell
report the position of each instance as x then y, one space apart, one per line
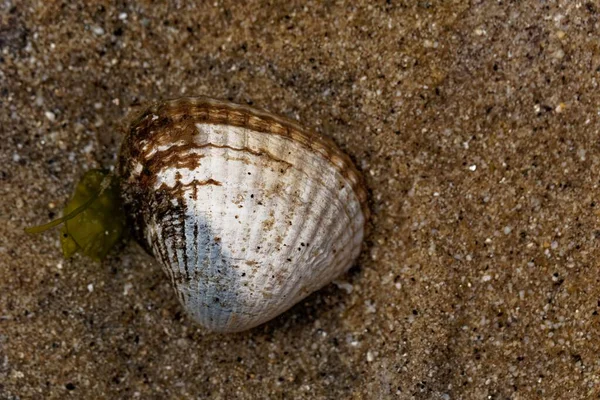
247 212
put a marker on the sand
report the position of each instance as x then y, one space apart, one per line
475 124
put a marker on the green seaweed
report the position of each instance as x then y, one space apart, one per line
94 219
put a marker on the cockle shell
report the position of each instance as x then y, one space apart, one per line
247 212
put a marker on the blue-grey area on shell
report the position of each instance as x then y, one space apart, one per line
247 212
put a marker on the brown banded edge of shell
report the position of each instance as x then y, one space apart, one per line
184 113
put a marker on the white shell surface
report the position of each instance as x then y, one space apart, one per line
256 222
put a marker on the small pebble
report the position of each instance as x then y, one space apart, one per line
50 115
126 288
370 356
347 287
97 30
